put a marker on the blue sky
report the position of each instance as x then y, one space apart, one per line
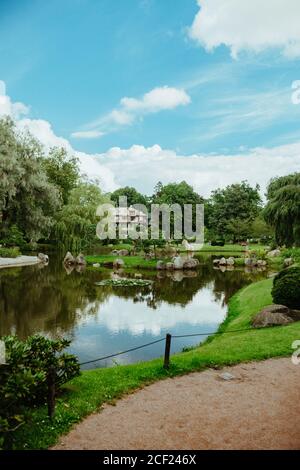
73 61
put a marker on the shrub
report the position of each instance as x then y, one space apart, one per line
23 379
286 288
9 252
217 242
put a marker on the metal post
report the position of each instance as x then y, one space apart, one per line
167 351
51 391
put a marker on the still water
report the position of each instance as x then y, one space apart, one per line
102 320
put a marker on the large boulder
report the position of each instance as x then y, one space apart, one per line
190 263
160 266
274 253
275 315
288 262
216 262
118 263
230 261
223 262
44 258
69 259
169 266
123 252
80 260
178 262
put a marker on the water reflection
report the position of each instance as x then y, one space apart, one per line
103 320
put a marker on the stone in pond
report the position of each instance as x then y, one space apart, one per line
118 263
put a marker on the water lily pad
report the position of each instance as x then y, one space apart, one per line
124 282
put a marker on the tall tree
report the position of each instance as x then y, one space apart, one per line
133 196
62 170
233 208
75 226
283 209
27 199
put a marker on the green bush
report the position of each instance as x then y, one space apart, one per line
14 237
23 379
217 242
9 252
286 288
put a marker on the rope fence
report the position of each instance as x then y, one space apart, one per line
52 377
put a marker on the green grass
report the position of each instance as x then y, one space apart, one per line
9 252
88 392
130 261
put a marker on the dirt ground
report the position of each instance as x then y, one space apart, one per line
257 409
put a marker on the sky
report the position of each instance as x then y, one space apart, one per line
144 90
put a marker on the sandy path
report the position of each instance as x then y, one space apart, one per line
258 409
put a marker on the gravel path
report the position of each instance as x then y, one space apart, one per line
258 409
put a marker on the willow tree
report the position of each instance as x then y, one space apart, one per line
283 209
75 227
28 200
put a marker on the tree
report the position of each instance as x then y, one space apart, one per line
62 171
233 208
27 199
75 227
177 193
283 209
133 196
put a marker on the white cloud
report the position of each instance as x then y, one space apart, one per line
254 25
7 108
87 134
156 100
142 167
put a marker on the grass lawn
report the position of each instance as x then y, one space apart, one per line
88 392
129 261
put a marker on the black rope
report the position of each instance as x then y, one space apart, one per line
214 333
163 339
122 352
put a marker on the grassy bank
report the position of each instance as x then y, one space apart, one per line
130 262
88 392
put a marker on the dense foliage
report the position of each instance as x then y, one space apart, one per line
233 210
286 288
283 209
23 379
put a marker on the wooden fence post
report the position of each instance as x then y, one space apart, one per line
51 376
167 351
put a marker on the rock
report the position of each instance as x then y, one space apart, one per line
44 258
274 253
118 263
123 253
288 262
275 315
169 266
137 276
178 262
250 262
216 262
230 261
261 263
115 253
69 259
190 263
160 265
96 265
80 261
226 376
223 262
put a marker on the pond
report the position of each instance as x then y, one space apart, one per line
103 320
